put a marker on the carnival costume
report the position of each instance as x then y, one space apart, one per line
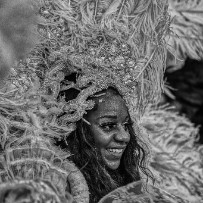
114 43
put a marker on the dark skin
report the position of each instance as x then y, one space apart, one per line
108 124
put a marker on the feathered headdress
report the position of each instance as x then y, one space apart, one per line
87 46
105 43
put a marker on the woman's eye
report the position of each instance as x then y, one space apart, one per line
108 126
126 125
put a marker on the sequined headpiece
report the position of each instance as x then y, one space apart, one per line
114 43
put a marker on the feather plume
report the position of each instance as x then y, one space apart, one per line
31 192
187 29
176 159
112 9
27 130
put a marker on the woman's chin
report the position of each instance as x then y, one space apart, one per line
111 159
113 165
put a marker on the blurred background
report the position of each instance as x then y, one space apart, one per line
186 87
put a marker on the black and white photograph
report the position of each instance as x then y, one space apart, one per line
101 101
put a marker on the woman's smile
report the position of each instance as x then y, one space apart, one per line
114 153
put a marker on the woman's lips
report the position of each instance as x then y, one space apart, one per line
115 152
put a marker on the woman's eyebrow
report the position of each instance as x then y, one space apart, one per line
108 116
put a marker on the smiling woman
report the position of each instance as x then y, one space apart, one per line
108 125
104 145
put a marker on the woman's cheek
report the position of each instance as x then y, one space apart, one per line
102 138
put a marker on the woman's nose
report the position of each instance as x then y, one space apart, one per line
122 135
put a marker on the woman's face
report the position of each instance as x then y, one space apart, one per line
109 128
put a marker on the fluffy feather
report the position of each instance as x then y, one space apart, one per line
176 159
27 129
187 28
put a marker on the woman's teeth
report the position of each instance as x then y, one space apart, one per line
116 150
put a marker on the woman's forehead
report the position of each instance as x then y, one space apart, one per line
110 106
